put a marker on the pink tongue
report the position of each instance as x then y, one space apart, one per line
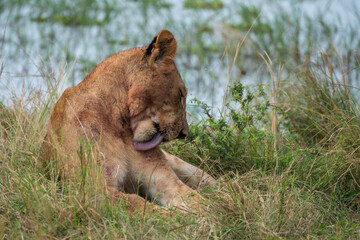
144 146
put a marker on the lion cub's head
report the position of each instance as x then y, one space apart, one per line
157 95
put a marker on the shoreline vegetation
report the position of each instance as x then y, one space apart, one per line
285 150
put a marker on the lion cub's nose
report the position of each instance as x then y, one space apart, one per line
183 133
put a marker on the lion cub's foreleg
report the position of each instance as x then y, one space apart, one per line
161 182
192 176
133 201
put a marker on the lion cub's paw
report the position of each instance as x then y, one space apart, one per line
207 182
144 131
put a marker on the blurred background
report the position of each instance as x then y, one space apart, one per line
219 41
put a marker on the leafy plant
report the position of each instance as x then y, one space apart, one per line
227 139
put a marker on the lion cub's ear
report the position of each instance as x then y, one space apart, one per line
162 51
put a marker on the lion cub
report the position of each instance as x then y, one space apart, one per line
125 108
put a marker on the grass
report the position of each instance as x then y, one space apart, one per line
305 186
286 152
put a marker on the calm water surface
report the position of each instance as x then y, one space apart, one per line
41 42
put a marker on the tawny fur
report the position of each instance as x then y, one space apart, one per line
144 130
121 101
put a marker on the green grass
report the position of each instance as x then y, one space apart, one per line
295 182
286 152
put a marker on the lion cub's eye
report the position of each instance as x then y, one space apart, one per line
181 96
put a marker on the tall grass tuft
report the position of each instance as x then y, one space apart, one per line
322 112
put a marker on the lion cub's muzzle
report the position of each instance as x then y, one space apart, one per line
147 135
183 133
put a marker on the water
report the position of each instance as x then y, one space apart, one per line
40 43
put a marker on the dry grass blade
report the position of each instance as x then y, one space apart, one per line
238 46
